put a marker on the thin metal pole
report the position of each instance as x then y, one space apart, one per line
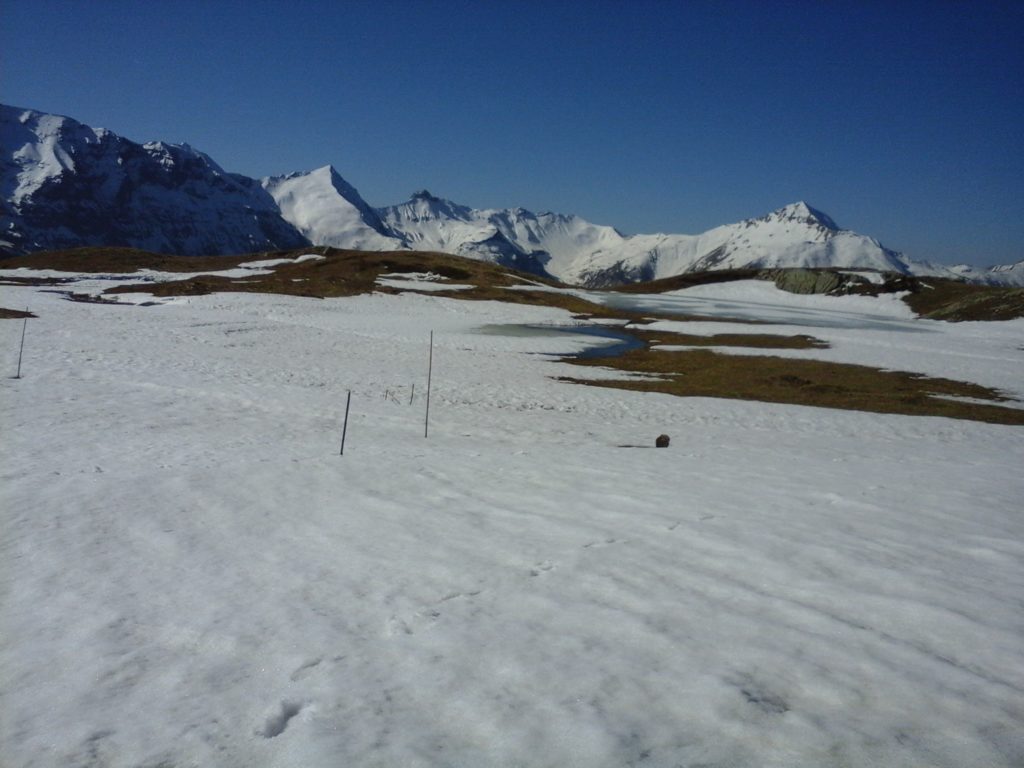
430 370
344 429
22 349
413 393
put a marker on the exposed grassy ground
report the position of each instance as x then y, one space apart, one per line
706 373
339 273
122 260
678 282
752 340
13 314
954 301
688 373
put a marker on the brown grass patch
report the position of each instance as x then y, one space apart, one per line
339 273
13 314
705 373
954 301
97 259
689 280
752 340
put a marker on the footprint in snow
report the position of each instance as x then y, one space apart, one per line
305 669
540 568
398 625
604 543
455 595
278 720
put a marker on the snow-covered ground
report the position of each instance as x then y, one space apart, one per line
192 576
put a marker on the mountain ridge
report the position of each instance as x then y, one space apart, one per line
78 186
65 184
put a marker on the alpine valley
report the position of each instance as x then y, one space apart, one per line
65 185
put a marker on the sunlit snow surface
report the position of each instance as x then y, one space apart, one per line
192 575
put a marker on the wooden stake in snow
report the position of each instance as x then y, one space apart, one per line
413 393
430 370
22 349
344 429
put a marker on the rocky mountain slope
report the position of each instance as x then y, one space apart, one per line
64 184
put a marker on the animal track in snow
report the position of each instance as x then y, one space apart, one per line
765 700
400 625
604 543
277 722
305 669
454 595
540 568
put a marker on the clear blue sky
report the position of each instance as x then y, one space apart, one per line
902 120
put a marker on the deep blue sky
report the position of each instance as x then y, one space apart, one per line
902 120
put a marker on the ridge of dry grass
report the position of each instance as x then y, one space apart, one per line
339 273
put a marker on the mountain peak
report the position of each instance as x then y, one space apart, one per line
422 194
330 171
804 213
328 210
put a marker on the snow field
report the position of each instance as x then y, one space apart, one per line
192 575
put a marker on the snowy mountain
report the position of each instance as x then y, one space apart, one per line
579 252
328 210
506 237
64 184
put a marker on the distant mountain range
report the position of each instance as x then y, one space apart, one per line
64 185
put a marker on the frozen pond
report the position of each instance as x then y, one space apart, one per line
618 341
741 301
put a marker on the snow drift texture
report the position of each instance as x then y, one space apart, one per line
65 184
192 575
